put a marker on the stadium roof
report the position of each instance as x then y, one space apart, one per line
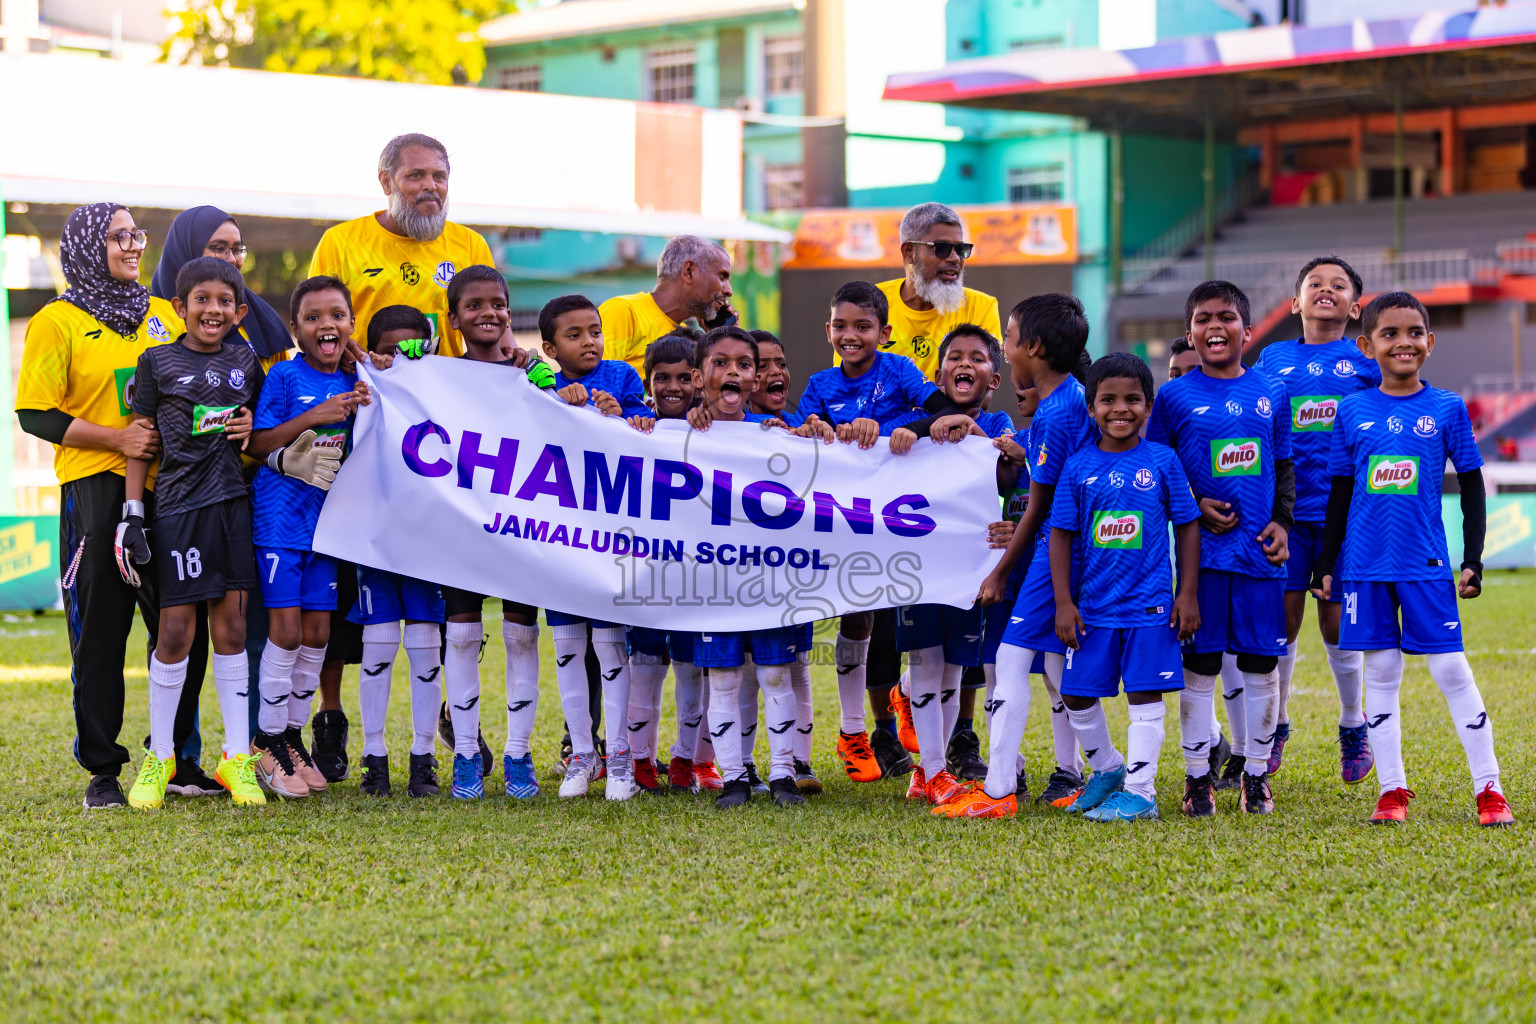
1448 58
582 17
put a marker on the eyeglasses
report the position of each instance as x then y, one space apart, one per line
139 238
943 250
221 250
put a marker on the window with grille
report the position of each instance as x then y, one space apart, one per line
669 74
521 78
783 186
784 74
1038 184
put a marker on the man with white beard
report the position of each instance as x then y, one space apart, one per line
409 251
932 299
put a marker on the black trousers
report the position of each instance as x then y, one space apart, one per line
99 608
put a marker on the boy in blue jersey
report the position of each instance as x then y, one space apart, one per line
941 642
573 339
1115 502
1045 339
1318 370
1384 548
298 584
386 598
1231 429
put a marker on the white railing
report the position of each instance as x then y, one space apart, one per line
1517 257
1261 273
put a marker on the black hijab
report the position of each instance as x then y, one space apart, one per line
188 237
120 305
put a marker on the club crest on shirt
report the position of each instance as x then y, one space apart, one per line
1344 368
408 273
1116 478
444 273
1315 369
1234 407
1425 427
1263 406
212 377
1144 480
1393 474
237 378
1120 530
157 329
1394 424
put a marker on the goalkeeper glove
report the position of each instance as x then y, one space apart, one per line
540 375
302 460
415 348
131 545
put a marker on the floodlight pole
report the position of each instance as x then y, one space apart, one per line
1116 211
1209 176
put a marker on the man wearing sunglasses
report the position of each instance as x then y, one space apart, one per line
931 300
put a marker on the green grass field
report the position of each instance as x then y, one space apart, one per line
857 907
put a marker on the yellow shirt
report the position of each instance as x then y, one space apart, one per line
630 323
74 363
917 333
382 268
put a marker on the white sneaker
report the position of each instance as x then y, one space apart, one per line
579 774
621 784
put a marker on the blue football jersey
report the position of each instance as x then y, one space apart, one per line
1120 504
286 510
618 379
996 424
1228 432
1060 427
1316 377
1396 449
892 386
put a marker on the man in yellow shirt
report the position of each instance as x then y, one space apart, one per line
932 300
693 280
408 252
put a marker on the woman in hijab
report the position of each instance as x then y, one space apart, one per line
209 231
74 390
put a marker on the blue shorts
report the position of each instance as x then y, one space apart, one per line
1306 543
1033 622
956 630
1145 658
1241 614
778 646
994 625
555 618
1431 622
291 578
661 643
384 596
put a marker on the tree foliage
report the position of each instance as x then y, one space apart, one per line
425 41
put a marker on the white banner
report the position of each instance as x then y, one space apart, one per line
463 474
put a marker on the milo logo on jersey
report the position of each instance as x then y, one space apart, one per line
1314 412
331 437
1393 474
123 378
212 419
1117 530
1235 456
1017 502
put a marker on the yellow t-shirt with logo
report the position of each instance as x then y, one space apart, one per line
382 268
74 363
630 324
917 333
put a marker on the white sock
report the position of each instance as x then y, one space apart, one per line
274 684
1345 666
1286 667
232 679
1093 733
1382 672
851 676
724 706
522 644
1232 696
612 647
949 699
1007 715
461 685
1453 674
1143 746
800 680
1063 736
704 746
925 675
165 684
746 710
423 649
306 680
646 675
381 641
571 676
1197 706
989 673
779 714
1261 694
688 694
